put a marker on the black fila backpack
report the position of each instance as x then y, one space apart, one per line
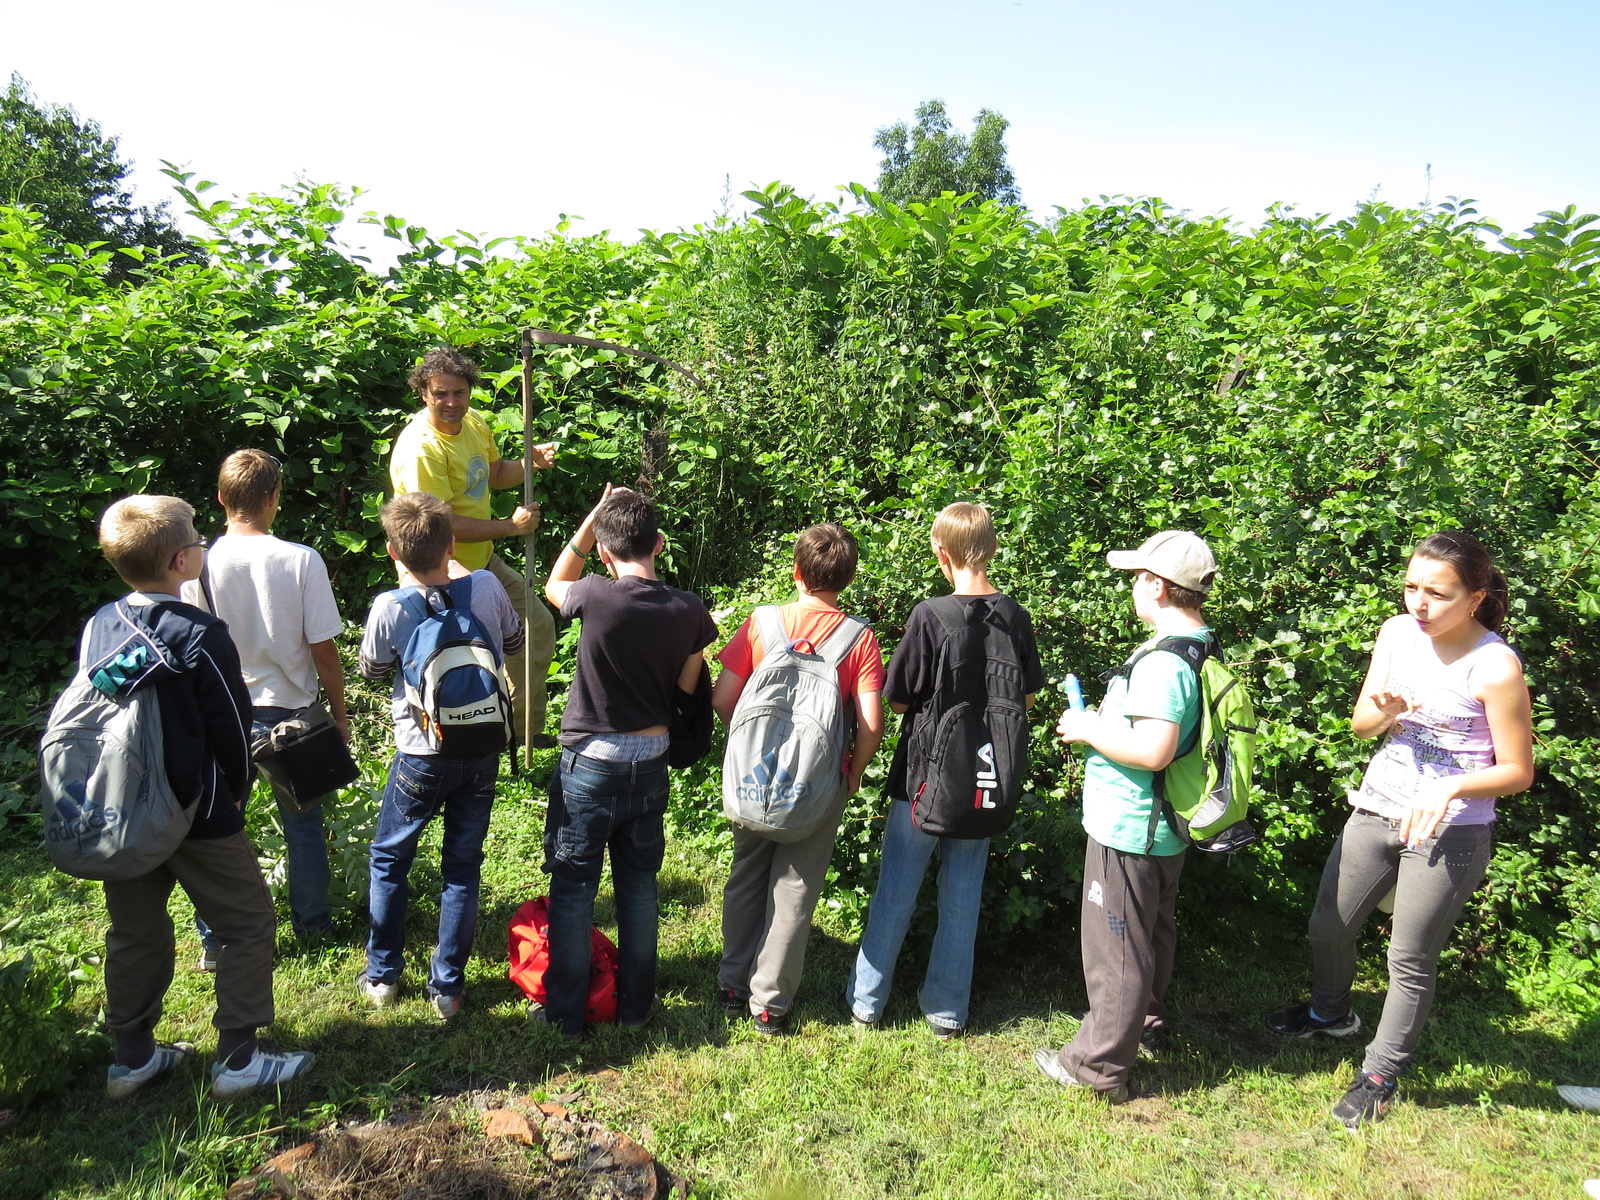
969 743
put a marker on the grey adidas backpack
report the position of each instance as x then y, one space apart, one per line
109 812
783 768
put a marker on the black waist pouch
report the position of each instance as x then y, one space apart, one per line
304 758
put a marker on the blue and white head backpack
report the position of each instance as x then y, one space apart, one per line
454 676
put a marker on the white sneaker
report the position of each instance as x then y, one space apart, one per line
207 961
379 995
122 1082
265 1067
1592 1187
1049 1062
1586 1098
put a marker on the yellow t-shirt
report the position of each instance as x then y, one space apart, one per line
453 467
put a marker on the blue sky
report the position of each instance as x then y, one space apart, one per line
497 115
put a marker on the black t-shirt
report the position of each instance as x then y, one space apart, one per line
915 665
637 634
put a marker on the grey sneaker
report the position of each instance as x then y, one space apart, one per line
207 961
265 1068
944 1033
122 1082
1049 1062
448 1007
1586 1098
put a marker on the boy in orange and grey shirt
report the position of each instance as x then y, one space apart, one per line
773 886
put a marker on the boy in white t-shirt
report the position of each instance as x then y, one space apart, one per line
279 606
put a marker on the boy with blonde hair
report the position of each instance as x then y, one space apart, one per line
424 783
927 669
279 606
154 640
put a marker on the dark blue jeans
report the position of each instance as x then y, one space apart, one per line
596 804
420 786
305 846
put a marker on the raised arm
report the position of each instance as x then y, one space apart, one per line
1148 743
1377 708
569 564
507 472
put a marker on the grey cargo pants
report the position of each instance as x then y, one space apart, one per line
1129 940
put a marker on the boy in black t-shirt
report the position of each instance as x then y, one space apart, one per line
964 543
641 641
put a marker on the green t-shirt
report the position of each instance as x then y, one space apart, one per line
1117 799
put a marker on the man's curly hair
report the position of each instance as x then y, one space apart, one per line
443 360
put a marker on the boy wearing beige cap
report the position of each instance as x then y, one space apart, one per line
1133 860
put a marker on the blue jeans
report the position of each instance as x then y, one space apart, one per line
948 986
305 846
595 804
419 787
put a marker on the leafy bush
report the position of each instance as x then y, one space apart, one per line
1311 396
43 1042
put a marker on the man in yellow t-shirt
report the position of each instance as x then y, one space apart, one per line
448 451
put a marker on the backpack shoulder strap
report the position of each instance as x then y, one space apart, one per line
458 593
950 611
768 619
837 645
412 603
205 586
1194 654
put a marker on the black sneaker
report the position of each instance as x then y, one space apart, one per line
733 1000
1367 1100
771 1024
1297 1021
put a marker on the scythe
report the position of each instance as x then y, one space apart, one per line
548 337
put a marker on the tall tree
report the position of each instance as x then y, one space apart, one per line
63 166
931 157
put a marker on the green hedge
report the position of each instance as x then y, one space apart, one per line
1311 396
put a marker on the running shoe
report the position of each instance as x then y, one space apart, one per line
1297 1021
1365 1103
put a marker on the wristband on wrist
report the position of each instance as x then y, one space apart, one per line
573 546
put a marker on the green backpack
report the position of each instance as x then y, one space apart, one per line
1204 792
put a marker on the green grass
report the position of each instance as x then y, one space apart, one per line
832 1111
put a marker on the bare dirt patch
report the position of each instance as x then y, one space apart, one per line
487 1147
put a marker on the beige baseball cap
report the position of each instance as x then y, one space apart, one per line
1172 554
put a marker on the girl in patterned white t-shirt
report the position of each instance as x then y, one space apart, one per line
1446 694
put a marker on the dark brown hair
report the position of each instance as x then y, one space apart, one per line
246 482
1476 570
825 556
626 525
442 360
1181 597
418 526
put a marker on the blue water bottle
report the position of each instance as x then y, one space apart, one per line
1074 692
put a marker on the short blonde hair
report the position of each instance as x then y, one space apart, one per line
966 531
418 526
247 481
141 535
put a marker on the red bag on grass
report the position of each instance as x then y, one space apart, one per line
530 959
